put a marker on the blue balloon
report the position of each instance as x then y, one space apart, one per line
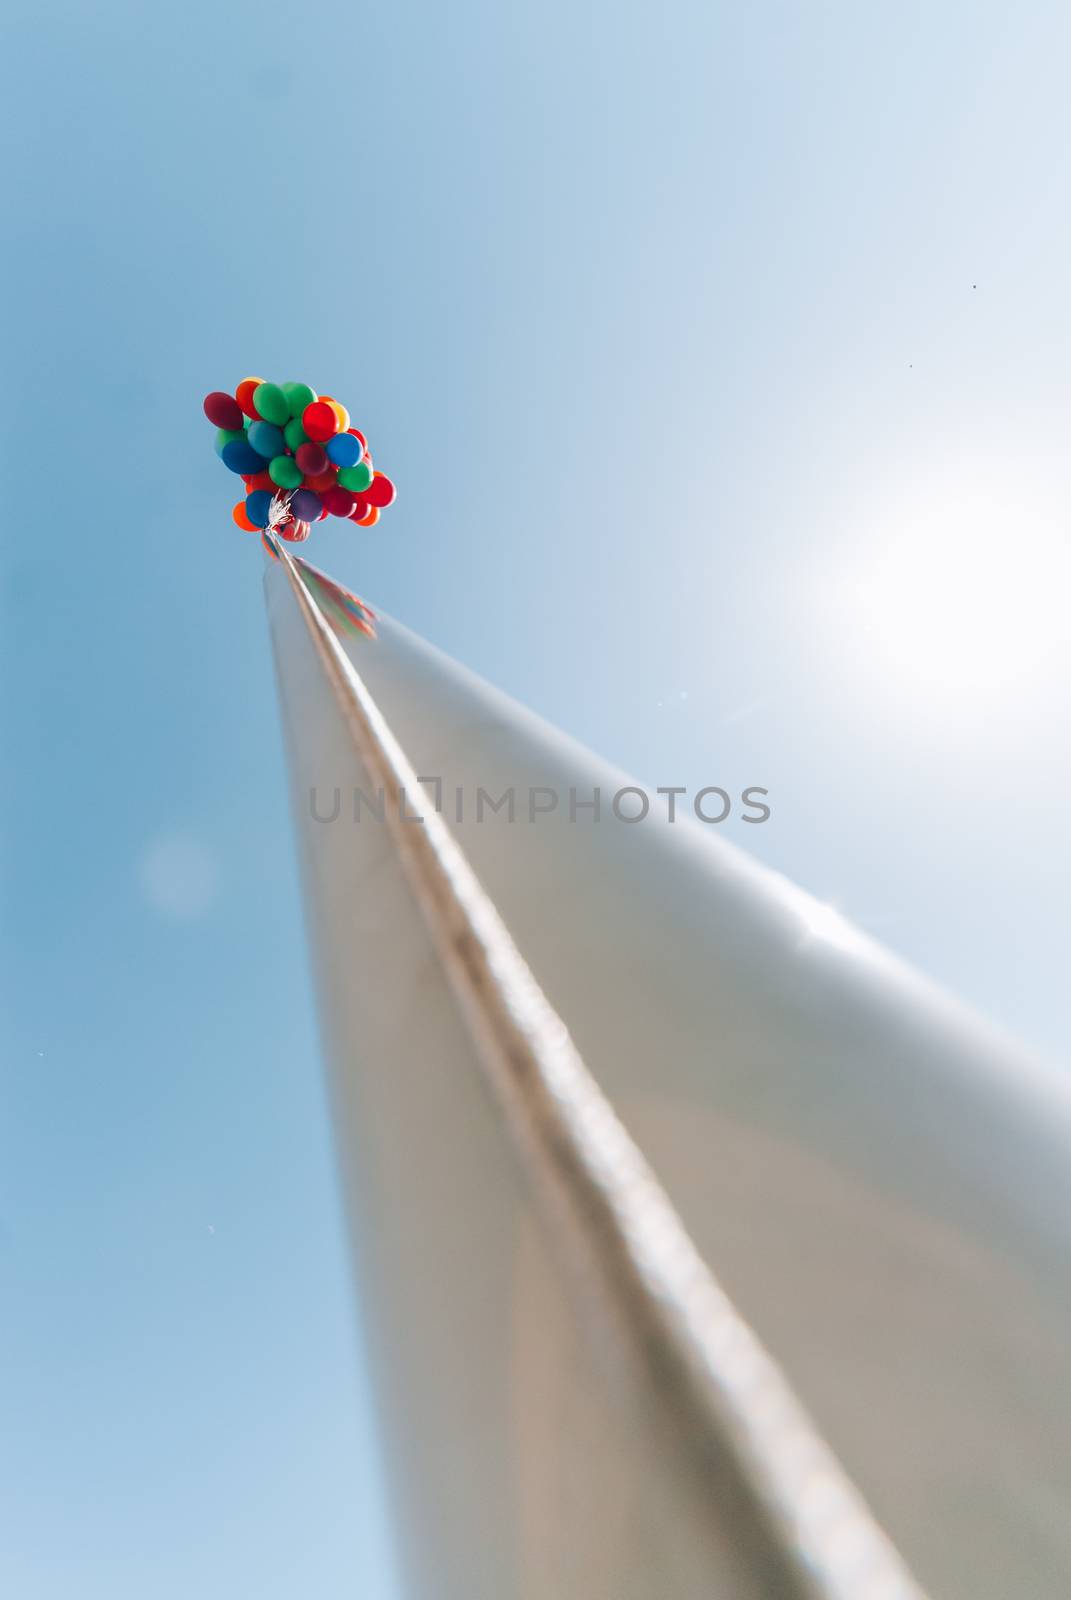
226 436
267 440
240 457
345 449
258 507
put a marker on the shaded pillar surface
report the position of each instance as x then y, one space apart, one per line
880 1183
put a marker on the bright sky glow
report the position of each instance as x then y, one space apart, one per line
962 600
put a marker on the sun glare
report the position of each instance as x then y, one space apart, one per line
965 602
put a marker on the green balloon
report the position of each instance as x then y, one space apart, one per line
298 396
285 471
270 403
294 433
225 435
355 478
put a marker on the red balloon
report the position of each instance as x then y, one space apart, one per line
312 459
262 480
363 504
357 434
324 481
223 410
292 531
380 491
244 394
319 421
340 502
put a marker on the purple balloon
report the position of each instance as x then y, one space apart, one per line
306 504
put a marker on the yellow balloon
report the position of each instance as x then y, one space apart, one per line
340 412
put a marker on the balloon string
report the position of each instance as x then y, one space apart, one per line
280 518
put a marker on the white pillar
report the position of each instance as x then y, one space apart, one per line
882 1186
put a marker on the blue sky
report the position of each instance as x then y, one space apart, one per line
720 354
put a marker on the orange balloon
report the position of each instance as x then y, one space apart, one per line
244 396
370 518
340 412
241 517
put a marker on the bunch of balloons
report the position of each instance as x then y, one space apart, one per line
298 456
